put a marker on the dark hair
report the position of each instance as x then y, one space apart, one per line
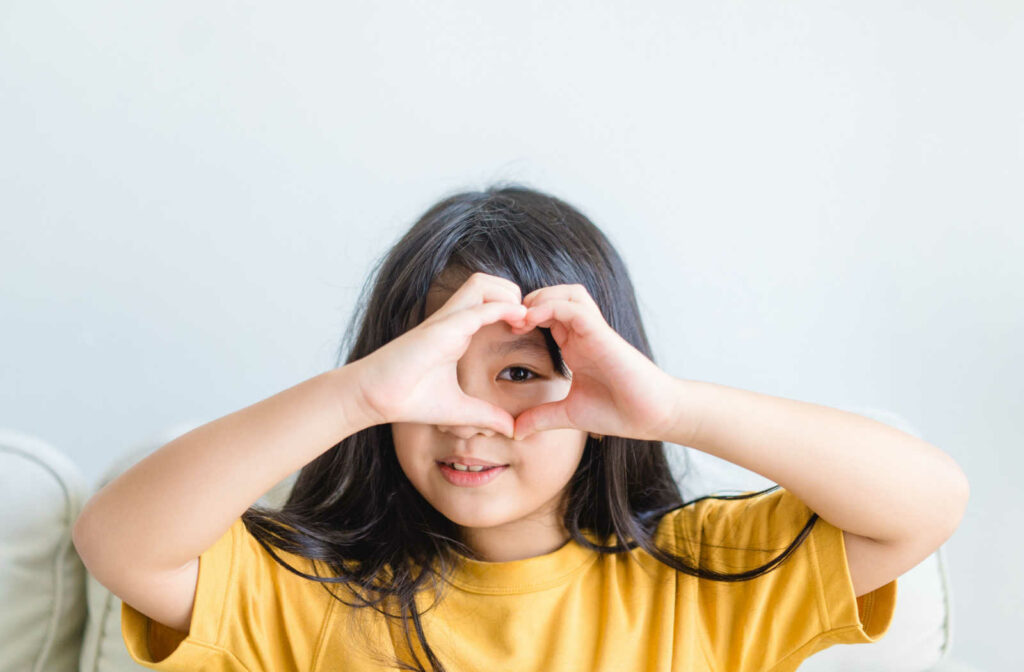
353 508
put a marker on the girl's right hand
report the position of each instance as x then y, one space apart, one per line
413 377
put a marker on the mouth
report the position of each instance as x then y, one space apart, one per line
473 467
466 478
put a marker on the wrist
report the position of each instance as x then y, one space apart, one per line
685 416
358 412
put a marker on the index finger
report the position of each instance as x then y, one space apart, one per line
480 288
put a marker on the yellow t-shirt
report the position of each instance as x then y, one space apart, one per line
571 609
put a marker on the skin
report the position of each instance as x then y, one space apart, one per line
517 515
825 457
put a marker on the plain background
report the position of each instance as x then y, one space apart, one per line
819 201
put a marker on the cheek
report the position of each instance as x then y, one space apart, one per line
555 389
549 463
411 442
522 397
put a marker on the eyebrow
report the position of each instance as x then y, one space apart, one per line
523 343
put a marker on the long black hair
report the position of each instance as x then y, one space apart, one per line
353 508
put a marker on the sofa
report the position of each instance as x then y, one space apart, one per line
57 618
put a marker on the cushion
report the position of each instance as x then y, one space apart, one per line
42 582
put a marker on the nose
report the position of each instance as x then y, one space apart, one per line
466 431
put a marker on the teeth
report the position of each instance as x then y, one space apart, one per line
463 467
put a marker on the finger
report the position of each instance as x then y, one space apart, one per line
577 317
478 413
470 320
551 415
480 288
574 292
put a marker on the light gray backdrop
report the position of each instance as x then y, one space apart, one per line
820 201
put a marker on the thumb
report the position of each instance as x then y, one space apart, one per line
479 413
551 415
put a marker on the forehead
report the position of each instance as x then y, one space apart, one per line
436 297
444 285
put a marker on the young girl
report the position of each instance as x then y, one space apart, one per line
484 486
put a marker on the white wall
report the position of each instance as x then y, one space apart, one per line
817 200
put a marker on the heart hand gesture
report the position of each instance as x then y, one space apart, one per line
413 378
616 390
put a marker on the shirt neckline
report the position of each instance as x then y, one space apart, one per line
524 575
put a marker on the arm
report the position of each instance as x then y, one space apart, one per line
160 515
896 497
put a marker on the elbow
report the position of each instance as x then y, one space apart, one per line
80 539
88 544
954 491
956 495
92 550
965 496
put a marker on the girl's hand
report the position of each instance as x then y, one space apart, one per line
413 378
616 390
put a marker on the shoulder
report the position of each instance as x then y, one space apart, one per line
799 564
761 520
291 575
248 607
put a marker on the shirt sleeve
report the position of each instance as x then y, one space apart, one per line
804 604
250 614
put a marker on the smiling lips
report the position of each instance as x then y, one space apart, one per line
464 467
468 478
469 461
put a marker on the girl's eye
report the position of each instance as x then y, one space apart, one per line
519 378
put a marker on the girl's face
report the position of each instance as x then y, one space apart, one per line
517 514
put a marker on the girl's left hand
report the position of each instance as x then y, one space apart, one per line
616 390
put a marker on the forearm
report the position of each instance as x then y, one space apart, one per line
175 503
858 474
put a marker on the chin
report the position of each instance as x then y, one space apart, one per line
465 518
